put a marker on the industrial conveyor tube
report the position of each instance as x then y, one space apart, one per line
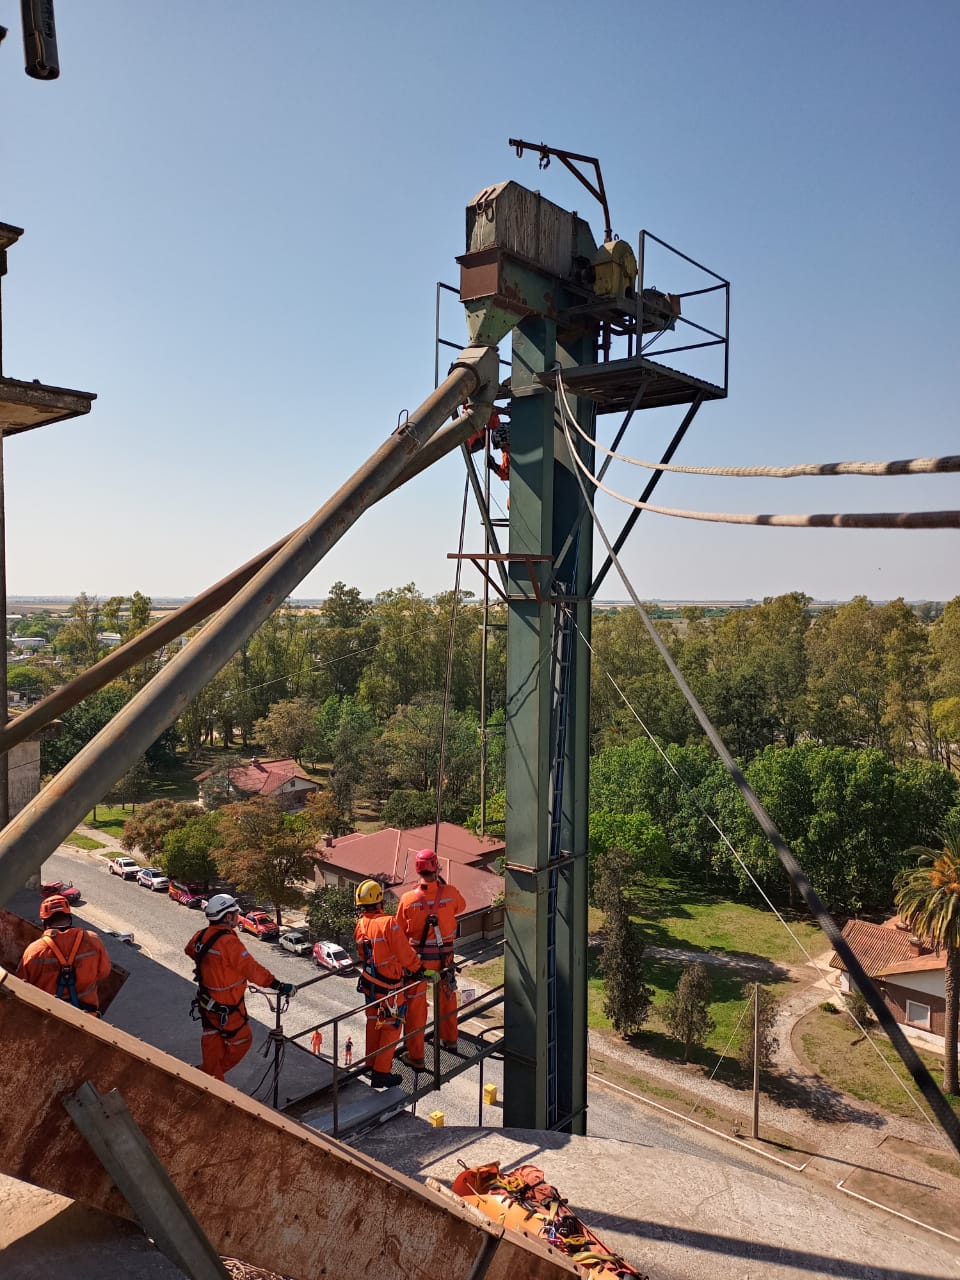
195 611
41 826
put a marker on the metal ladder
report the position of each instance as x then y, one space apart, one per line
563 637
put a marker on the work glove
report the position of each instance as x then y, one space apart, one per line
285 988
429 975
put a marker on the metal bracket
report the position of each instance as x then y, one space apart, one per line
132 1163
477 557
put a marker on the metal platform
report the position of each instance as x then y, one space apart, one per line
27 405
613 385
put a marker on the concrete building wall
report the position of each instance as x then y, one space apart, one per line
24 774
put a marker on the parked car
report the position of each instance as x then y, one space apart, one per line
297 941
150 878
261 925
188 895
126 868
330 956
65 888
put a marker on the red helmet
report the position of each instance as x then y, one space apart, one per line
427 860
55 905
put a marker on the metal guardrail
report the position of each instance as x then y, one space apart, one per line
439 1071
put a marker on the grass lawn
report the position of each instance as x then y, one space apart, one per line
83 842
837 1050
695 921
110 819
675 913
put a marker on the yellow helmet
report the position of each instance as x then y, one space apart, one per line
369 894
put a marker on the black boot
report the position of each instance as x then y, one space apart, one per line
384 1079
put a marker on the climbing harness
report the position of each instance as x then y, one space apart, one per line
525 1201
67 977
213 1014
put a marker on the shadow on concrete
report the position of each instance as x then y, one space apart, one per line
754 1250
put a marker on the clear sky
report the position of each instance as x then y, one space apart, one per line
236 213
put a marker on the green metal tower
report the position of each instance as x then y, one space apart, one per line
538 266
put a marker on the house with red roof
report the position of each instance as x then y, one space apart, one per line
283 780
908 972
389 856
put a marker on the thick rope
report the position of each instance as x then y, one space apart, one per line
815 520
922 1078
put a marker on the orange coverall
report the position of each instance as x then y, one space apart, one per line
445 902
225 971
384 955
42 961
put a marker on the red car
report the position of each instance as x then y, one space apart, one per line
260 925
66 890
187 894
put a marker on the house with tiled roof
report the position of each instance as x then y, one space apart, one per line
467 861
908 972
283 780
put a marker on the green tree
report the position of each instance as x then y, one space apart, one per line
627 998
323 816
686 1011
265 853
80 724
633 834
147 829
331 914
288 728
765 1011
189 851
406 808
928 898
129 788
77 638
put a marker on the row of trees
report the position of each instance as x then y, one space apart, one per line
253 845
852 675
851 816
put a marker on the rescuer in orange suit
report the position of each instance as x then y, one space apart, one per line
387 960
66 962
428 917
224 967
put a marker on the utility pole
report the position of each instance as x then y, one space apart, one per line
756 1059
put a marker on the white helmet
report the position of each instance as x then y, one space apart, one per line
219 906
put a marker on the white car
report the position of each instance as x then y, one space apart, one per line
297 941
126 868
150 878
329 956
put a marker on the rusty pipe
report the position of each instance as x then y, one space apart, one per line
207 602
51 815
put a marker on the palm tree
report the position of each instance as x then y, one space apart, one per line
928 899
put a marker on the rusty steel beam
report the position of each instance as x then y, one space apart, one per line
37 830
262 1187
197 610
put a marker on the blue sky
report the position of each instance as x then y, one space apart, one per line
236 212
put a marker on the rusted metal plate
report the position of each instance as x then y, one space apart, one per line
16 934
263 1188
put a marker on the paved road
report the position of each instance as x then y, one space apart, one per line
162 928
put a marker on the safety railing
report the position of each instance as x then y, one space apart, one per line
649 306
444 1066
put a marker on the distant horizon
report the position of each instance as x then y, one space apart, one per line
606 601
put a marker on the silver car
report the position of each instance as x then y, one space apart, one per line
297 941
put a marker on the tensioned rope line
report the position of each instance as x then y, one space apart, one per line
911 1059
898 467
814 520
811 960
448 682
